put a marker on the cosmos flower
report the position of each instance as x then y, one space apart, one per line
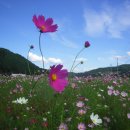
63 127
95 119
21 101
80 104
81 126
124 94
87 44
128 115
81 112
110 92
58 78
44 25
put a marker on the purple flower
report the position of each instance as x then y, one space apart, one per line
80 104
44 25
81 126
87 44
58 78
128 115
110 92
31 47
63 127
124 94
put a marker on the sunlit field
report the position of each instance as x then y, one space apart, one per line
43 108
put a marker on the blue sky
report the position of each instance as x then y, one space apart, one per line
105 24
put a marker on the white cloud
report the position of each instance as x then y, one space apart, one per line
119 57
128 53
63 40
55 60
111 21
35 58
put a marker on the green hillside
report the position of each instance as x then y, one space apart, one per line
121 69
15 63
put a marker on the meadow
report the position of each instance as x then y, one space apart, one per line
44 109
57 100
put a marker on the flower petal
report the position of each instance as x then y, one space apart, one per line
62 74
59 85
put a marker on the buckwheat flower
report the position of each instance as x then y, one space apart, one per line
63 127
80 104
21 100
128 115
81 126
44 25
95 119
58 78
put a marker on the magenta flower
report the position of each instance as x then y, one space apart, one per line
58 78
87 44
44 25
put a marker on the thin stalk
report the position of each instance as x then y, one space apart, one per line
41 49
28 61
75 66
76 58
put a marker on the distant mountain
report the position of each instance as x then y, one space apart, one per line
15 63
121 69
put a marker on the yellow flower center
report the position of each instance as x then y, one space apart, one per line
43 28
54 77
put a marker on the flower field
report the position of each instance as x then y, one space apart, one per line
100 103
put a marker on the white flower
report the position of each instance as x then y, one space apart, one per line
21 100
95 119
44 119
110 87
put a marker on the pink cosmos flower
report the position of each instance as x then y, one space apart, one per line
44 25
81 126
63 127
128 115
80 104
124 94
81 112
110 92
58 78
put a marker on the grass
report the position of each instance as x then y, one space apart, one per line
61 108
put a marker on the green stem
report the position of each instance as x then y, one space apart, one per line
75 66
41 49
76 58
28 61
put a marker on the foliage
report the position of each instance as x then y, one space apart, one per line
15 63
